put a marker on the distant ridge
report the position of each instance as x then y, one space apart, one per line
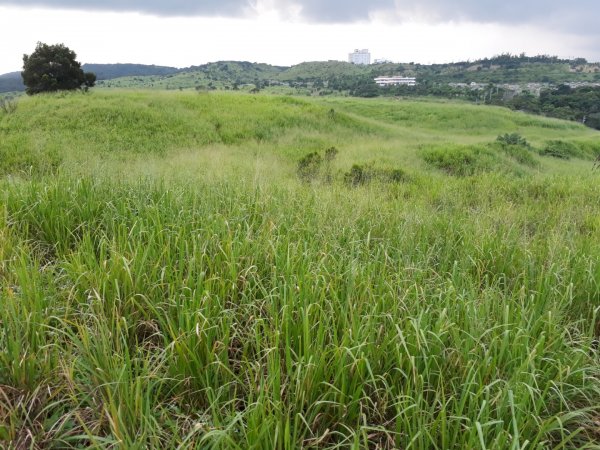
10 82
109 71
505 68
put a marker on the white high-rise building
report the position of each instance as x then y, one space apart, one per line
360 57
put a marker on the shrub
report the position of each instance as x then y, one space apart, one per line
330 155
517 147
565 150
309 167
520 153
461 160
512 139
8 105
357 175
312 166
360 175
397 176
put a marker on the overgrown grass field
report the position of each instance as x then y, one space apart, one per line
176 272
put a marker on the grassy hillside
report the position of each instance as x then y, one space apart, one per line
322 70
105 125
176 272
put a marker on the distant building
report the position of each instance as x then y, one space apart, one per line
360 57
382 61
396 81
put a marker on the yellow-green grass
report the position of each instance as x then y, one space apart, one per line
167 282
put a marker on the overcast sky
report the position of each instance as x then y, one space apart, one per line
284 32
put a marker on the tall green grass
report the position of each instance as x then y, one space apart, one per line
236 316
143 307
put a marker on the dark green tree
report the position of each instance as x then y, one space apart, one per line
54 68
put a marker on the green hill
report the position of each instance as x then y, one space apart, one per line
109 71
503 69
108 123
309 71
221 270
11 82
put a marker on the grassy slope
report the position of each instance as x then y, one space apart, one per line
109 125
321 69
166 282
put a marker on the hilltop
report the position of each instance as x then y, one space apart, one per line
502 69
343 75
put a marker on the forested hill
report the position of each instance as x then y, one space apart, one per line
504 68
109 71
338 75
10 82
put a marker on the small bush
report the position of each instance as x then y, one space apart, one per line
517 148
8 105
512 139
358 175
397 176
361 175
461 160
565 150
309 167
330 154
312 166
520 153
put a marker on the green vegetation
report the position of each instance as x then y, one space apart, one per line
52 68
581 104
168 281
335 77
506 80
109 71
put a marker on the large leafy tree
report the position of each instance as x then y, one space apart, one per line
54 68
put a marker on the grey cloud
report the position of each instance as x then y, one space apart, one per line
338 11
576 15
154 7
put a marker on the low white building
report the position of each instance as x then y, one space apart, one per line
360 57
396 81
